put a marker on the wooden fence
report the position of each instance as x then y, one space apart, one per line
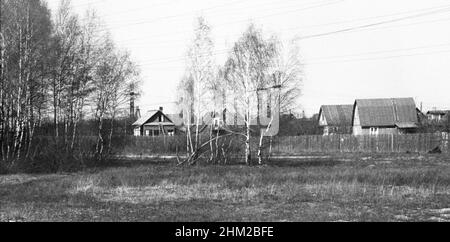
414 143
295 145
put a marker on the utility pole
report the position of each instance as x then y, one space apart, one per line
132 99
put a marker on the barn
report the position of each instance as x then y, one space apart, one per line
384 116
336 119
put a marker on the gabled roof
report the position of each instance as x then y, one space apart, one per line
337 115
149 115
144 119
400 112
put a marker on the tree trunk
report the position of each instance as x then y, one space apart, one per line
248 153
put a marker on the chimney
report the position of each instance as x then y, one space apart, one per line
161 109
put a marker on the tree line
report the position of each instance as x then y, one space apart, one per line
58 68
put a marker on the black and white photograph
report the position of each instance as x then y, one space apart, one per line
240 111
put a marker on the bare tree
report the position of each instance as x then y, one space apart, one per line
25 26
185 93
288 72
247 69
112 80
65 51
201 69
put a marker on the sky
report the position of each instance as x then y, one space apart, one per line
350 49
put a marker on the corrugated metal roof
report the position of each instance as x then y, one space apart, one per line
338 115
386 112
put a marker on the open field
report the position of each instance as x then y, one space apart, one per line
313 188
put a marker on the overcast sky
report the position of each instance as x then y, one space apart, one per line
406 53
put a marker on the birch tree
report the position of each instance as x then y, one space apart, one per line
288 72
247 68
114 75
200 64
65 53
25 28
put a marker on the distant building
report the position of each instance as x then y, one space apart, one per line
336 119
385 116
269 114
155 123
437 115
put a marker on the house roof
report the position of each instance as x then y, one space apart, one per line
142 120
400 112
438 112
406 125
147 116
160 124
337 115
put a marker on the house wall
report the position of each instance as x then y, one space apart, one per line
381 130
322 120
137 131
327 130
357 129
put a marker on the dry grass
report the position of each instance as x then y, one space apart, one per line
341 188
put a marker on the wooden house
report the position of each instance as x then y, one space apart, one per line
154 123
384 116
336 119
437 115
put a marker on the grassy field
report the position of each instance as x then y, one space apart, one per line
315 188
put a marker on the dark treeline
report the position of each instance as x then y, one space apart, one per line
61 72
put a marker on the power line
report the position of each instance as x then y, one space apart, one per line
321 4
87 4
352 55
373 24
176 15
380 58
189 32
334 23
140 8
383 51
172 60
170 43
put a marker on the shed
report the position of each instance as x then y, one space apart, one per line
336 119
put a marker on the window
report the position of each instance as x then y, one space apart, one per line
373 131
326 131
147 132
217 123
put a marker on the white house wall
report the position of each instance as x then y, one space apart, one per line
357 129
